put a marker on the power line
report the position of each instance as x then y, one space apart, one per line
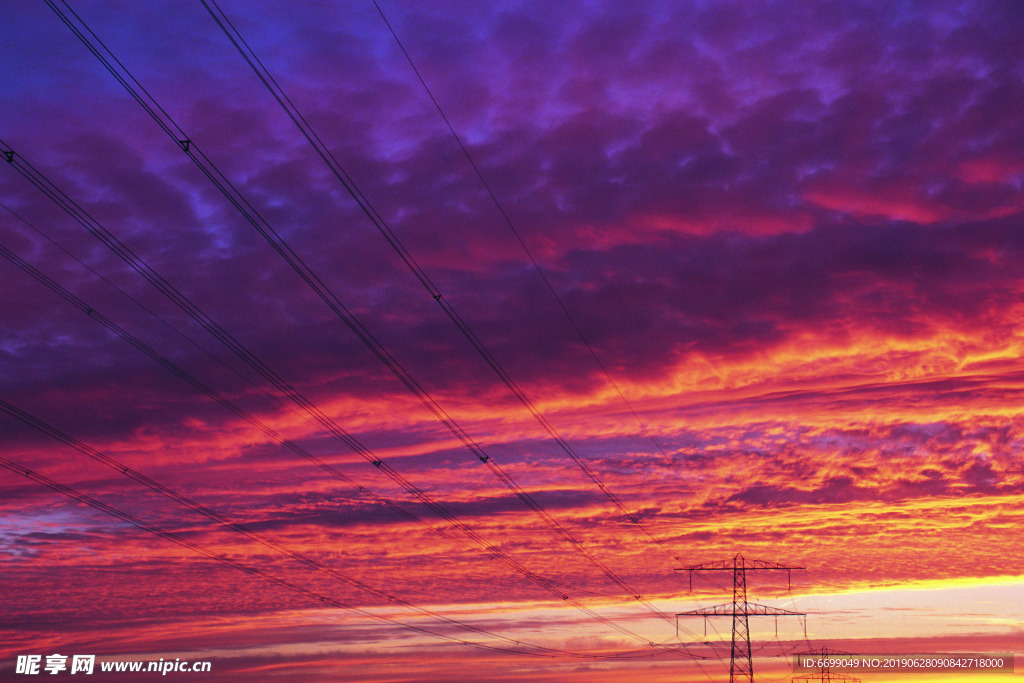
526 249
236 564
395 242
341 175
277 401
136 263
98 230
233 526
141 305
188 146
303 559
243 530
190 379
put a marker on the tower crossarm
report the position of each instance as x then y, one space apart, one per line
748 608
735 564
717 610
738 562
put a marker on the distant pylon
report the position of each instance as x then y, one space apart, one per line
823 673
741 665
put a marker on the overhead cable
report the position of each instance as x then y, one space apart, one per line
74 210
189 147
396 244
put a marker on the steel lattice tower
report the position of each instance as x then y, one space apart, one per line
741 665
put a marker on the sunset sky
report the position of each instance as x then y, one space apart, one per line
792 234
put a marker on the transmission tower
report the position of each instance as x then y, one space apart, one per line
741 666
823 673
